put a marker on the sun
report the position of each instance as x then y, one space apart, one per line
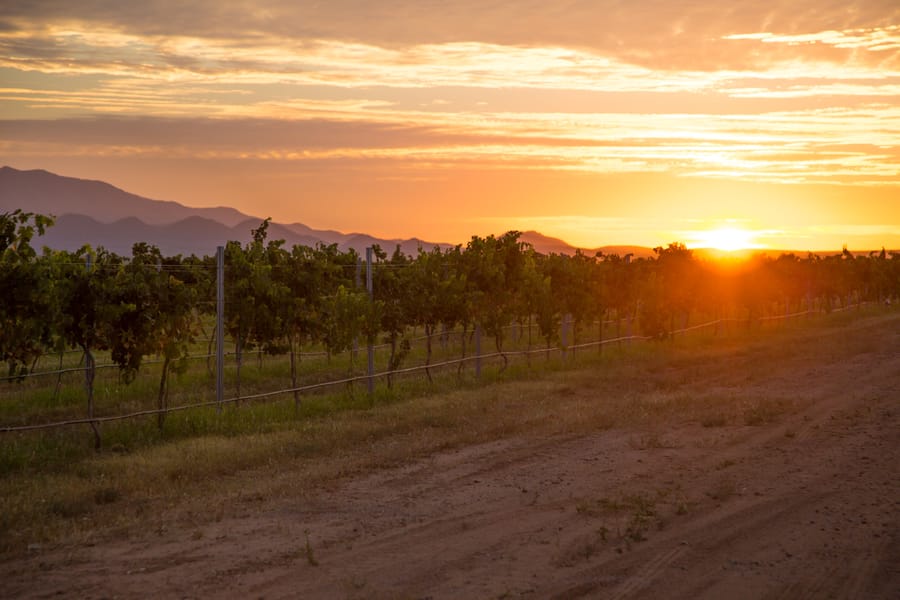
727 239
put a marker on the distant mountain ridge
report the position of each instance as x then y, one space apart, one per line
47 193
99 214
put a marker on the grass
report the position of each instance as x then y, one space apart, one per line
54 486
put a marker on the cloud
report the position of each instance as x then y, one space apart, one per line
880 39
659 34
190 64
831 146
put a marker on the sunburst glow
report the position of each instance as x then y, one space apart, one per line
728 239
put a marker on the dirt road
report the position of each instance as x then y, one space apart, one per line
798 498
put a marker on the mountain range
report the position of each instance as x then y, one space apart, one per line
99 214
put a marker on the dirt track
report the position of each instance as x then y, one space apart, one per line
805 504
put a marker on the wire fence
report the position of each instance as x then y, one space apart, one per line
477 358
250 353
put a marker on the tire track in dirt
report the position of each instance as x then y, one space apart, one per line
826 584
824 460
709 535
647 574
455 527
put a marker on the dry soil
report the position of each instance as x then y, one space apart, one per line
799 499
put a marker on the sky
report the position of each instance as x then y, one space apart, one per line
600 122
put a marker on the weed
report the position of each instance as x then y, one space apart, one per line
587 550
724 490
583 549
310 556
715 420
69 508
650 441
583 507
643 515
566 390
764 412
635 530
106 495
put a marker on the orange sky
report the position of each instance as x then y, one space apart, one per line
600 122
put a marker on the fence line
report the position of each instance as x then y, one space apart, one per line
316 354
304 388
323 353
383 374
415 339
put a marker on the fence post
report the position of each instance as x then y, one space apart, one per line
357 283
564 334
478 350
220 327
370 382
600 334
90 370
629 322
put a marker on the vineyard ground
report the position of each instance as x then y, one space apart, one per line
767 467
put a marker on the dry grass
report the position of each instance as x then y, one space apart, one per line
178 483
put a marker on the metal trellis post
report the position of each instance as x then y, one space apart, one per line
371 349
220 326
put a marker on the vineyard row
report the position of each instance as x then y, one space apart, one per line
274 301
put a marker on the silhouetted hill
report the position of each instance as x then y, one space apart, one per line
96 213
547 245
99 214
194 235
49 194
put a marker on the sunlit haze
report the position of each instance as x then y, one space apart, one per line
728 239
723 125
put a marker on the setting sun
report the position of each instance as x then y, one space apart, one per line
728 239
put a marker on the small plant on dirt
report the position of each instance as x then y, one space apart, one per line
644 514
69 508
602 533
723 491
585 508
106 495
310 556
639 512
596 508
714 421
650 441
635 531
586 550
764 412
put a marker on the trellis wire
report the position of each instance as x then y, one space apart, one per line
365 378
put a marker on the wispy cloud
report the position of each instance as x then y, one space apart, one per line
879 39
824 146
